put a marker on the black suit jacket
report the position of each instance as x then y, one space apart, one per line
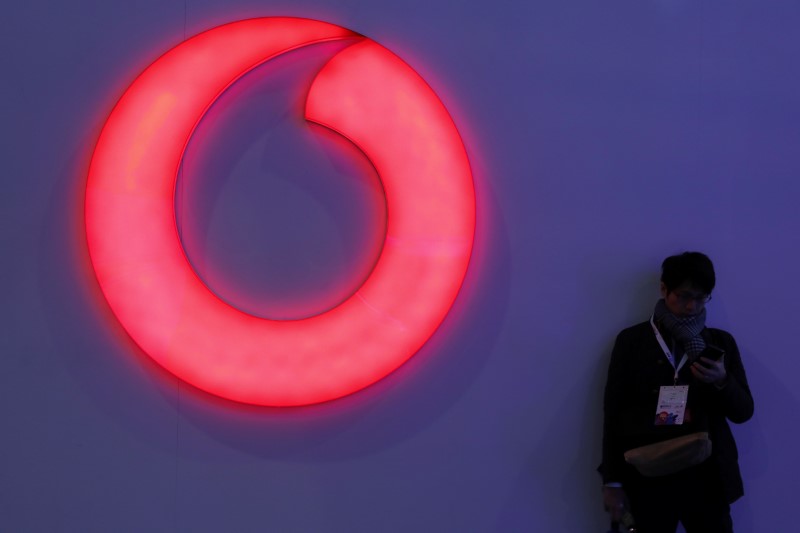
637 370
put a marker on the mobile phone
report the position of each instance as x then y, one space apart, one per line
712 352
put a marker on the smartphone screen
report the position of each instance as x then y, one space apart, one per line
712 352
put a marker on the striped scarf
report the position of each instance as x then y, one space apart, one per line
684 331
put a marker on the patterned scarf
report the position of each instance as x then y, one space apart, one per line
685 331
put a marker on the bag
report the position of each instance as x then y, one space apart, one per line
670 456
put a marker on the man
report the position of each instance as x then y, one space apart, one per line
673 363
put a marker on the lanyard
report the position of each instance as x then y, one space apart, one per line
667 352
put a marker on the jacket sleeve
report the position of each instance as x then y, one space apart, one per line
735 399
614 400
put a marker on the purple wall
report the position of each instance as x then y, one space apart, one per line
603 136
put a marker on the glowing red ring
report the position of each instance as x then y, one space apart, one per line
365 93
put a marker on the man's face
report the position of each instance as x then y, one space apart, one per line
686 300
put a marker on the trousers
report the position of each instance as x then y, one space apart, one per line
692 497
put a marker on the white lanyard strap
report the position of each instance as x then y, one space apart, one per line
667 352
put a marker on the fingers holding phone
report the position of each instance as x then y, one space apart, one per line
710 366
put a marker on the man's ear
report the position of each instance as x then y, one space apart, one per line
663 290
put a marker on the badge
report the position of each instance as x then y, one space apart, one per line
671 405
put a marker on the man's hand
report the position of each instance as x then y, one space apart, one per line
615 502
710 371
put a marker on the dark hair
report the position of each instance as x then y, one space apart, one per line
694 267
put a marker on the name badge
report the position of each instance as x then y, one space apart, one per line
671 405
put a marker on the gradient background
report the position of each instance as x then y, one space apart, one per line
603 137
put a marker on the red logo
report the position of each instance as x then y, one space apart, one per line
364 93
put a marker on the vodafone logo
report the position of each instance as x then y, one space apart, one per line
364 93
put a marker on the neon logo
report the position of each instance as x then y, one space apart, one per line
364 93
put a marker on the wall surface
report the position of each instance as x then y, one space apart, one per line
603 136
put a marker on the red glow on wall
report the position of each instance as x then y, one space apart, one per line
364 93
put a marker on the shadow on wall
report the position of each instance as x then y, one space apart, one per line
121 380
